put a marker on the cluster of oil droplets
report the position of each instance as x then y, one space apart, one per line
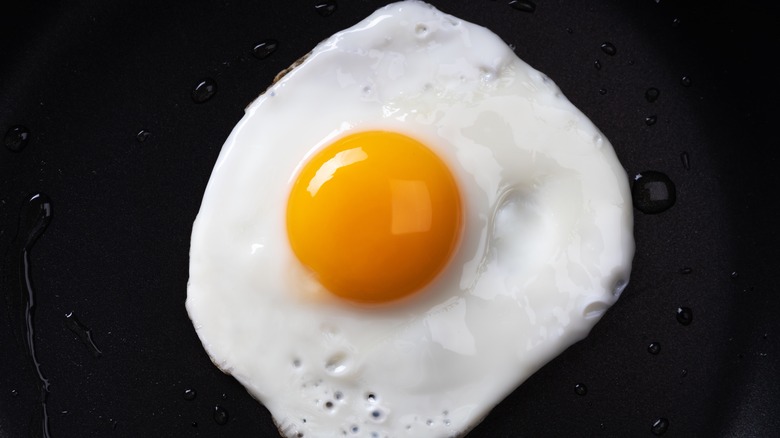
220 415
684 316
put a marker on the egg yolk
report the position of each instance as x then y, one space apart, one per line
375 215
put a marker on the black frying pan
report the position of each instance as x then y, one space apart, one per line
97 100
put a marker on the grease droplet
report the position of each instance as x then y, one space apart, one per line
734 275
654 348
686 160
326 7
653 192
686 270
221 416
652 94
83 332
597 64
684 315
602 91
659 426
16 138
523 5
685 81
265 48
609 49
142 135
580 389
204 90
190 394
650 120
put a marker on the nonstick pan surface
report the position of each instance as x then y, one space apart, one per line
107 154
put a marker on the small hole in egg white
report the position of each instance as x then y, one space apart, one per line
337 363
421 29
338 395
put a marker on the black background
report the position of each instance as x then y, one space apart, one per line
86 77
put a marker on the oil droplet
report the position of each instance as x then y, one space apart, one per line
686 270
683 373
221 416
652 94
523 5
734 275
686 160
569 30
326 7
190 394
194 424
676 22
685 81
597 64
142 135
650 120
83 332
684 315
204 90
265 48
659 426
16 138
580 389
654 348
609 49
653 192
602 91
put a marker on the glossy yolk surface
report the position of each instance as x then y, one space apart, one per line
375 215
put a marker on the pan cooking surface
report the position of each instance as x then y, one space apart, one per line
113 116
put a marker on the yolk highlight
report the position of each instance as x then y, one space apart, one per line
375 215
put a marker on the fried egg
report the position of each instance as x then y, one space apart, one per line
402 229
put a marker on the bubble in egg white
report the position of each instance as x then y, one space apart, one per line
546 247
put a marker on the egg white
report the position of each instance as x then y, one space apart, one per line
546 249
